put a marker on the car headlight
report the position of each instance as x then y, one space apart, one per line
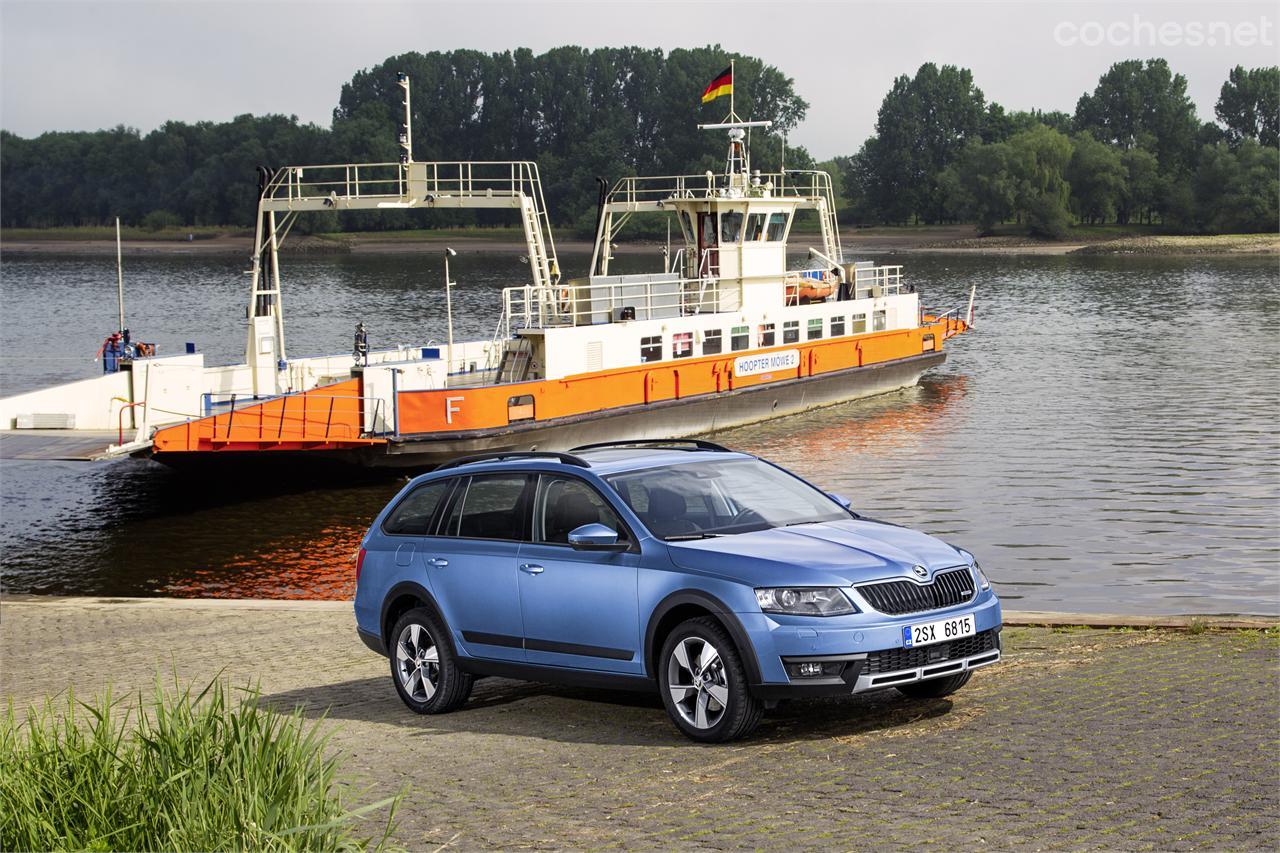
804 601
980 577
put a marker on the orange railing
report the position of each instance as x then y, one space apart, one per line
326 417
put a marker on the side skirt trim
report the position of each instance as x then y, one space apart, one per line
557 675
509 642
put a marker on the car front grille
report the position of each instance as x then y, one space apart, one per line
893 660
949 588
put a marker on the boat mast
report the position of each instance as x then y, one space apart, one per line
119 277
406 127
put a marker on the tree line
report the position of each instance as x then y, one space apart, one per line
1133 151
578 113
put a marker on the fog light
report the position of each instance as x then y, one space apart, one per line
814 668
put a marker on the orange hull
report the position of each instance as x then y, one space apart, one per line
330 417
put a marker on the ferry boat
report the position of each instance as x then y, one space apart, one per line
722 333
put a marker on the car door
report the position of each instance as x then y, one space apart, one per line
392 548
579 607
472 563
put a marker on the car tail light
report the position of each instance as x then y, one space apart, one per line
360 564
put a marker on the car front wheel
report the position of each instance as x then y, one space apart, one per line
704 684
423 666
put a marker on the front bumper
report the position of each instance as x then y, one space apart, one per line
858 673
864 651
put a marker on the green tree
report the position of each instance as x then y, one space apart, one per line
980 185
1238 191
1141 186
1097 176
1146 105
1249 105
1039 158
923 124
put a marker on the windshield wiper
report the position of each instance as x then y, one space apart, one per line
684 537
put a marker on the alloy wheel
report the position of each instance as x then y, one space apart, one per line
696 679
417 662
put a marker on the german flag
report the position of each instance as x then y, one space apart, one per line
722 85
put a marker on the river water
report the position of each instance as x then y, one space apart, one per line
1105 440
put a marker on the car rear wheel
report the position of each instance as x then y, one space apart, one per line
704 684
935 688
423 665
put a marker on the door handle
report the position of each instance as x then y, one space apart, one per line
531 568
438 562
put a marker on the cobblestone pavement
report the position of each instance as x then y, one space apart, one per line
1081 739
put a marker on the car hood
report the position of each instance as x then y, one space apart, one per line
837 553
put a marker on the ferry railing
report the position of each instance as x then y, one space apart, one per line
585 304
808 184
459 178
876 281
303 419
677 261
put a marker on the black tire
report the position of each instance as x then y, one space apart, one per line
935 688
725 674
450 687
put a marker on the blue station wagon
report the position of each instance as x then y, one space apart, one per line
716 578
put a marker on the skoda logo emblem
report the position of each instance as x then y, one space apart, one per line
921 571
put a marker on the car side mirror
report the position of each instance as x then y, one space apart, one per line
842 500
595 537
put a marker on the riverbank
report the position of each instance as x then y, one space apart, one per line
961 239
1165 739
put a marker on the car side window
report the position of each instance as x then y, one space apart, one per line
490 506
565 504
413 515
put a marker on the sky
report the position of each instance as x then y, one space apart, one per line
72 65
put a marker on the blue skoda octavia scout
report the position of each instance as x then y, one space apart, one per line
716 578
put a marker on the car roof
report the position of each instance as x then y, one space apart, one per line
602 461
615 460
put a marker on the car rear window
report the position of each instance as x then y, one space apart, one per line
490 507
413 515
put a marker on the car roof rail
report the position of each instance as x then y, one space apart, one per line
690 444
502 455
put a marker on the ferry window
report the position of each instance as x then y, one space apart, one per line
741 337
566 504
791 331
711 343
755 227
859 324
815 329
413 515
730 227
520 408
878 321
651 348
766 335
686 225
491 507
682 345
777 226
837 327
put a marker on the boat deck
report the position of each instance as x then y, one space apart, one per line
73 445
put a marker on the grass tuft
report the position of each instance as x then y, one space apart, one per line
212 771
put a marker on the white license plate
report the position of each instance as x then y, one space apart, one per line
938 632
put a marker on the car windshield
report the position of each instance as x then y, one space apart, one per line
702 499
